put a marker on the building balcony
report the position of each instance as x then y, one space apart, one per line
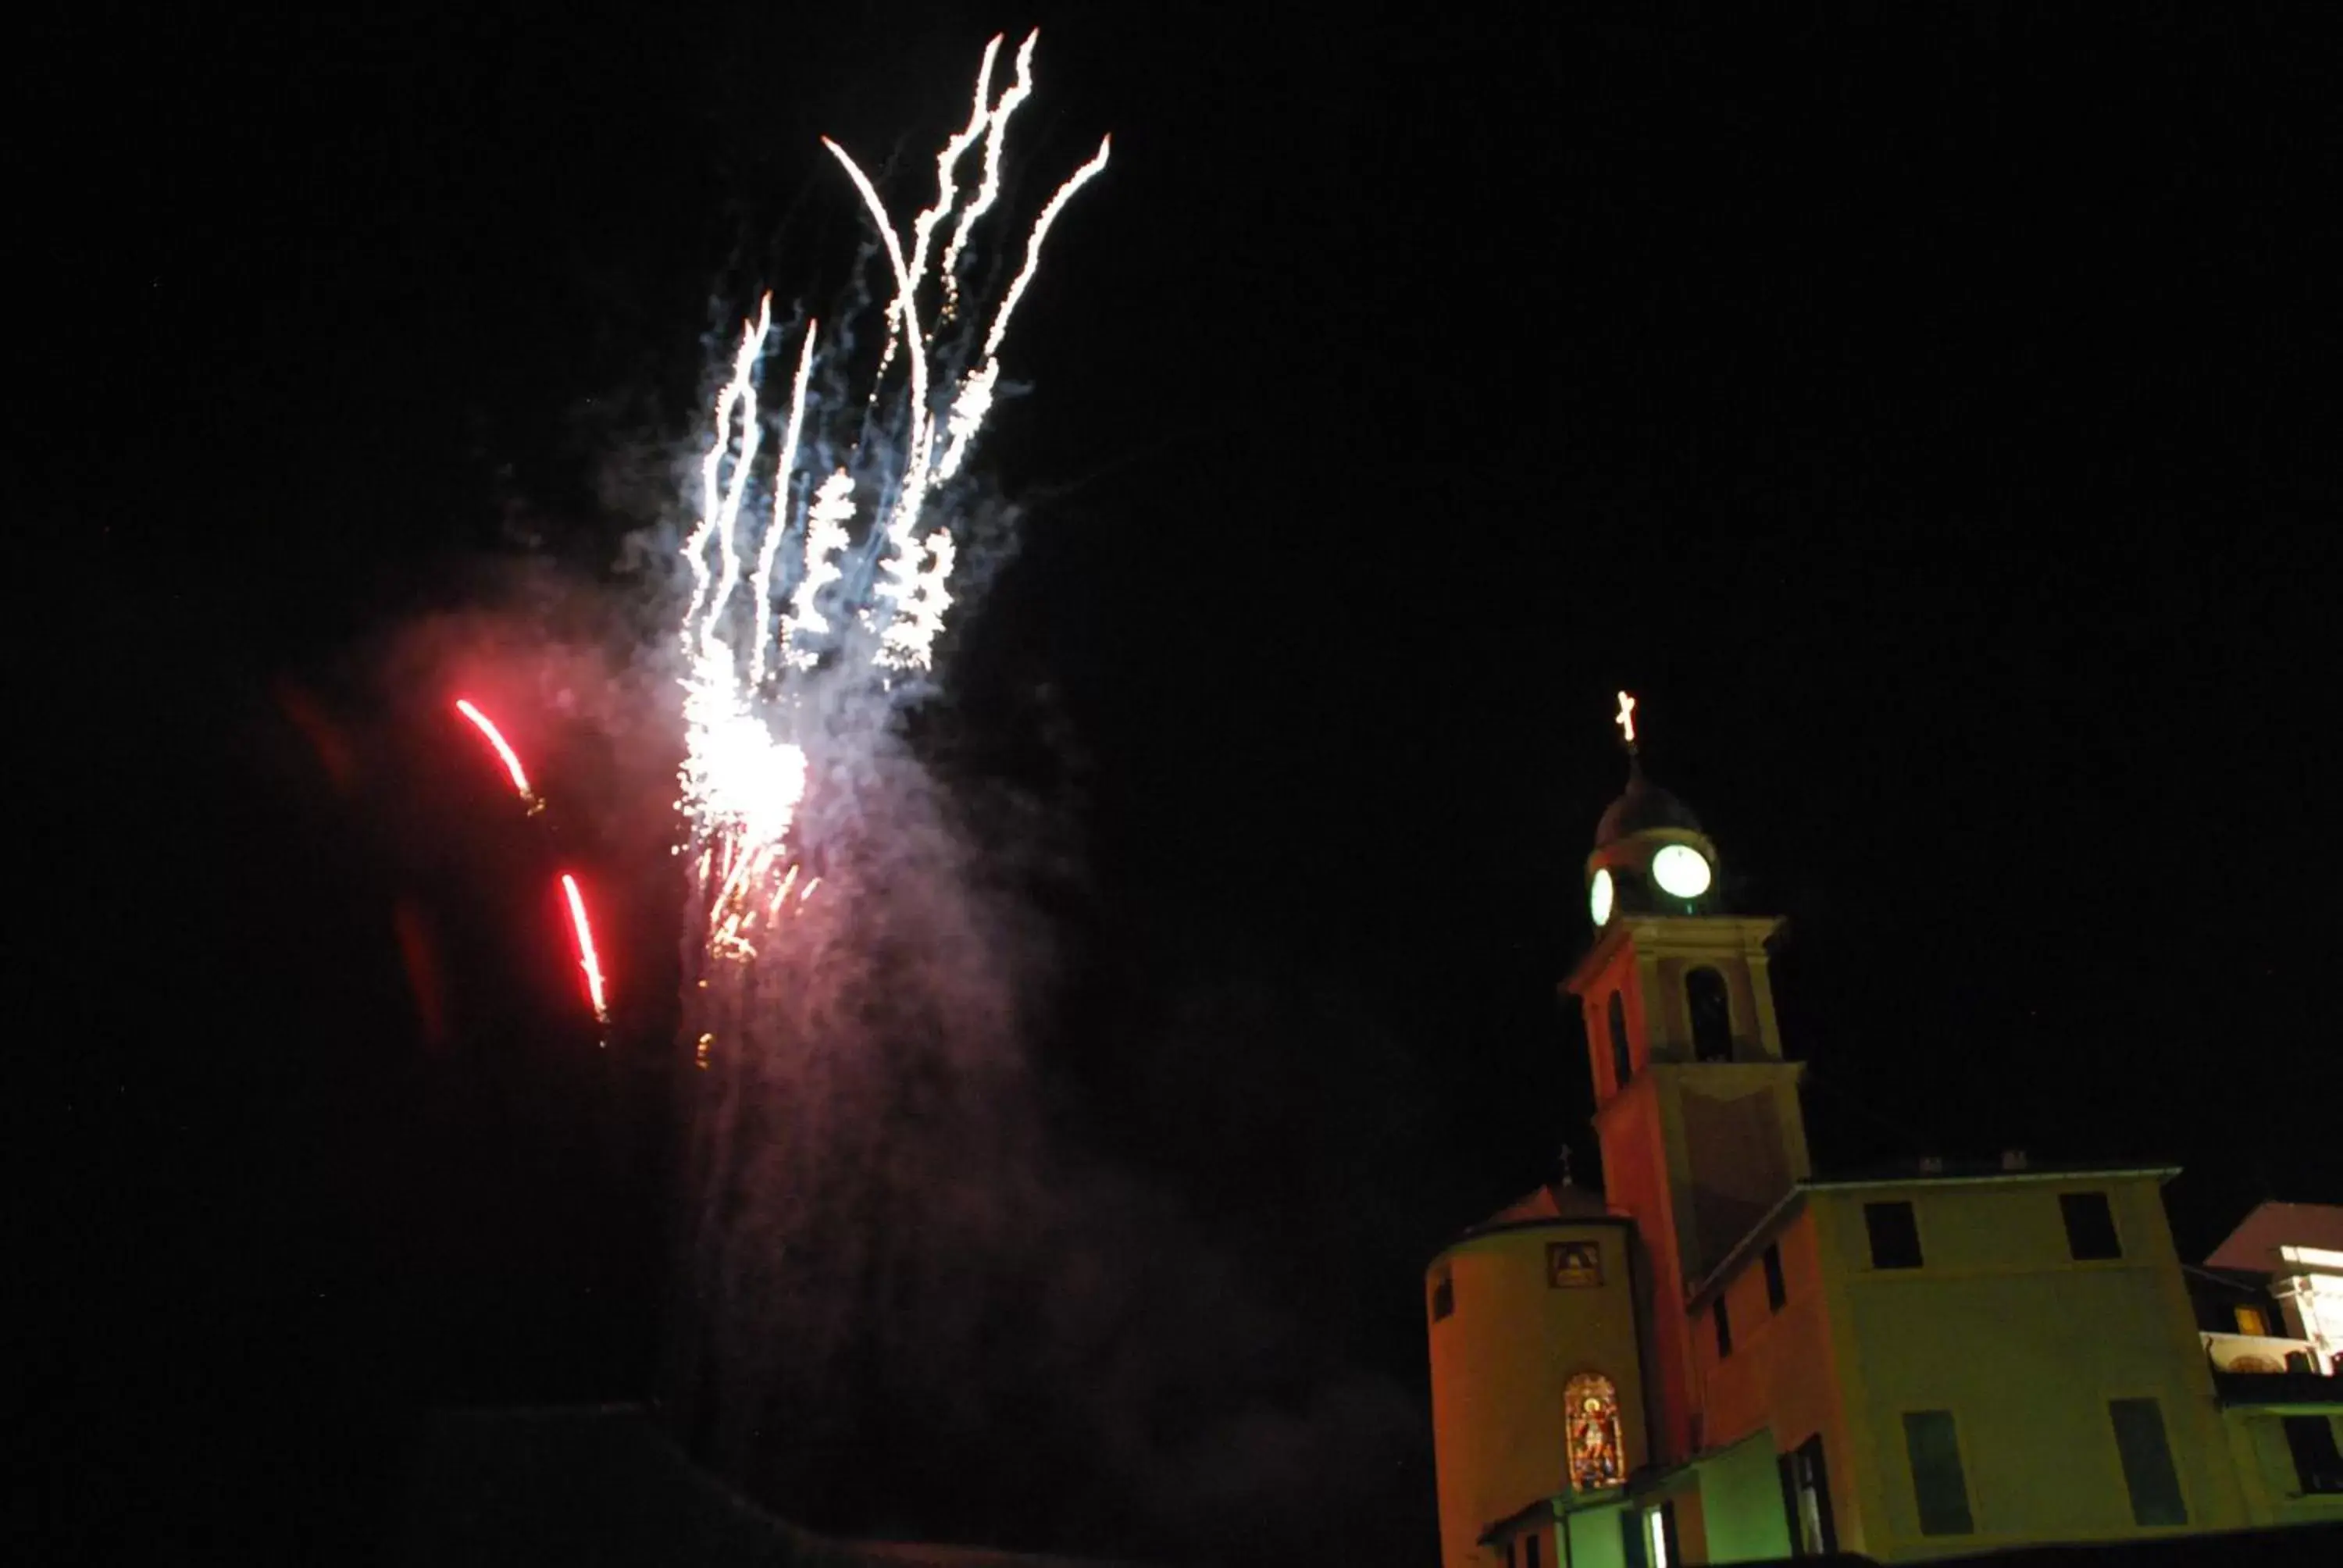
2273 1373
2260 1353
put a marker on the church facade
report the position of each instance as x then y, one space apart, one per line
1728 1357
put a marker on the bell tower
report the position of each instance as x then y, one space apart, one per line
1696 1111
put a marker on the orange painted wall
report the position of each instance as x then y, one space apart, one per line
1499 1362
1782 1372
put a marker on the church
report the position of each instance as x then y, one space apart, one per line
1728 1356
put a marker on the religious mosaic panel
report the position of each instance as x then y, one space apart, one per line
1572 1264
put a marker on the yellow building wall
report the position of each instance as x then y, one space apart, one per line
1781 1376
1499 1362
2024 1347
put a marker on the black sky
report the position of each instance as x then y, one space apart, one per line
1932 419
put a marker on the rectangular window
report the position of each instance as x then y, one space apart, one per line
1777 1290
1805 1497
2147 1470
1443 1297
1724 1329
2251 1320
1895 1235
2090 1226
1529 1552
2318 1465
1938 1485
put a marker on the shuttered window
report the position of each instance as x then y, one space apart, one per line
1941 1491
1895 1235
2090 1226
2146 1463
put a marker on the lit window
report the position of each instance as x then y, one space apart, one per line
2147 1457
1895 1235
1777 1289
1939 1486
2090 1226
1598 1458
2252 1321
1805 1493
1660 1530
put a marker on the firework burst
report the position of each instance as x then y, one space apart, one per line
818 568
866 614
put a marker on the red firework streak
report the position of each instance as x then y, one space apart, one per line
511 759
587 960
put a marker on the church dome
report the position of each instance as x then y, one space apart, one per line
1640 807
1558 1199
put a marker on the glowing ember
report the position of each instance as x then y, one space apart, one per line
495 739
587 960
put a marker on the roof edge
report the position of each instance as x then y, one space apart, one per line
1623 1222
1737 1255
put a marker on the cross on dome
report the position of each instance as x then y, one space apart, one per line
1625 719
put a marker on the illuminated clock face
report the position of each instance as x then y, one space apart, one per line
1598 897
1681 871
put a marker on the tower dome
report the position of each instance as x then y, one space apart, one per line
1650 855
1642 807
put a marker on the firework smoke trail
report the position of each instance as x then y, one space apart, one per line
818 589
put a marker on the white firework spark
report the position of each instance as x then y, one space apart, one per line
1058 200
745 767
975 398
806 628
761 592
996 131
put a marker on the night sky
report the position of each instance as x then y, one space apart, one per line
1931 419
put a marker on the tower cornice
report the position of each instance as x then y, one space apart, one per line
1674 936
